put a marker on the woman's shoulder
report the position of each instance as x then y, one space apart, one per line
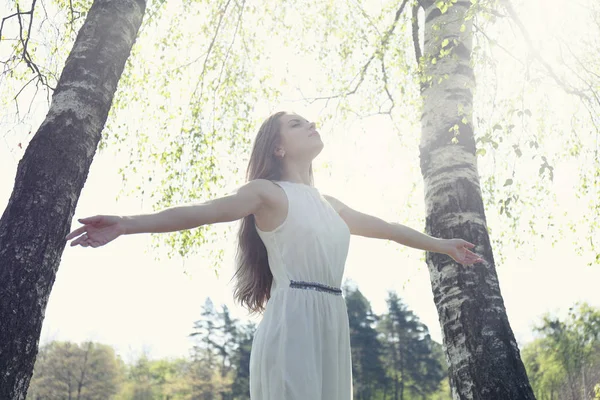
270 190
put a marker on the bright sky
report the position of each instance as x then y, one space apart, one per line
120 295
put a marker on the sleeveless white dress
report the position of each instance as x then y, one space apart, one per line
301 347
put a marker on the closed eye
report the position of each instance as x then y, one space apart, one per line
297 122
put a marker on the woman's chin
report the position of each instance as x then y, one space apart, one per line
318 149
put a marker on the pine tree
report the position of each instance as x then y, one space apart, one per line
367 367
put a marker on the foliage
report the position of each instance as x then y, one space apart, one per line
219 362
565 360
67 370
415 363
544 371
155 379
392 354
368 370
202 76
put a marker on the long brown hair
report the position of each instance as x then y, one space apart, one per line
254 278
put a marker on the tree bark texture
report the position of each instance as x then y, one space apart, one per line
49 180
480 347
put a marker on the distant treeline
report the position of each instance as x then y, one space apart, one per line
393 357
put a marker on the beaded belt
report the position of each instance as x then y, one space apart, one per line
315 286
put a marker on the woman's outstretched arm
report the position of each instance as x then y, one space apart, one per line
366 225
246 200
101 229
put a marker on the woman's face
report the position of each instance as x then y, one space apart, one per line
299 138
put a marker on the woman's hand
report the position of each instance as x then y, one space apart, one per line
458 249
97 230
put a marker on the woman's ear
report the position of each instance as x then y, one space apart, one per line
279 152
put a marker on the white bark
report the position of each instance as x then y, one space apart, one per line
49 180
480 346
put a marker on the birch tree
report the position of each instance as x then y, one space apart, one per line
49 181
483 356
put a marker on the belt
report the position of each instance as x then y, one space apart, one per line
320 287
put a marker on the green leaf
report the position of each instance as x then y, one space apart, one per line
508 182
517 150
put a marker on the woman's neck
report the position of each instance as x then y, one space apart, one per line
297 175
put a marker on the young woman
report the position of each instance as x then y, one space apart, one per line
293 243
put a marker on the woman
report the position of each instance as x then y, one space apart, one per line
292 250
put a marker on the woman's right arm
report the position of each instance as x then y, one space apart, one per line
247 200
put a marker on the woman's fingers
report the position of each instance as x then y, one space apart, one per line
77 241
86 241
468 244
90 220
468 257
86 221
80 240
473 258
470 253
76 232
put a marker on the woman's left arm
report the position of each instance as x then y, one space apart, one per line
369 226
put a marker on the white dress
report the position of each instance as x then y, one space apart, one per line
301 347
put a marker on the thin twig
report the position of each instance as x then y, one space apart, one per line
363 71
24 42
235 33
536 54
17 14
212 43
367 17
385 84
580 63
24 86
494 42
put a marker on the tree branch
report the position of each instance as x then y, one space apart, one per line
377 52
536 54
494 42
415 32
585 82
17 14
212 43
25 42
385 85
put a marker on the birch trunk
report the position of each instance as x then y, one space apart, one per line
483 357
49 180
